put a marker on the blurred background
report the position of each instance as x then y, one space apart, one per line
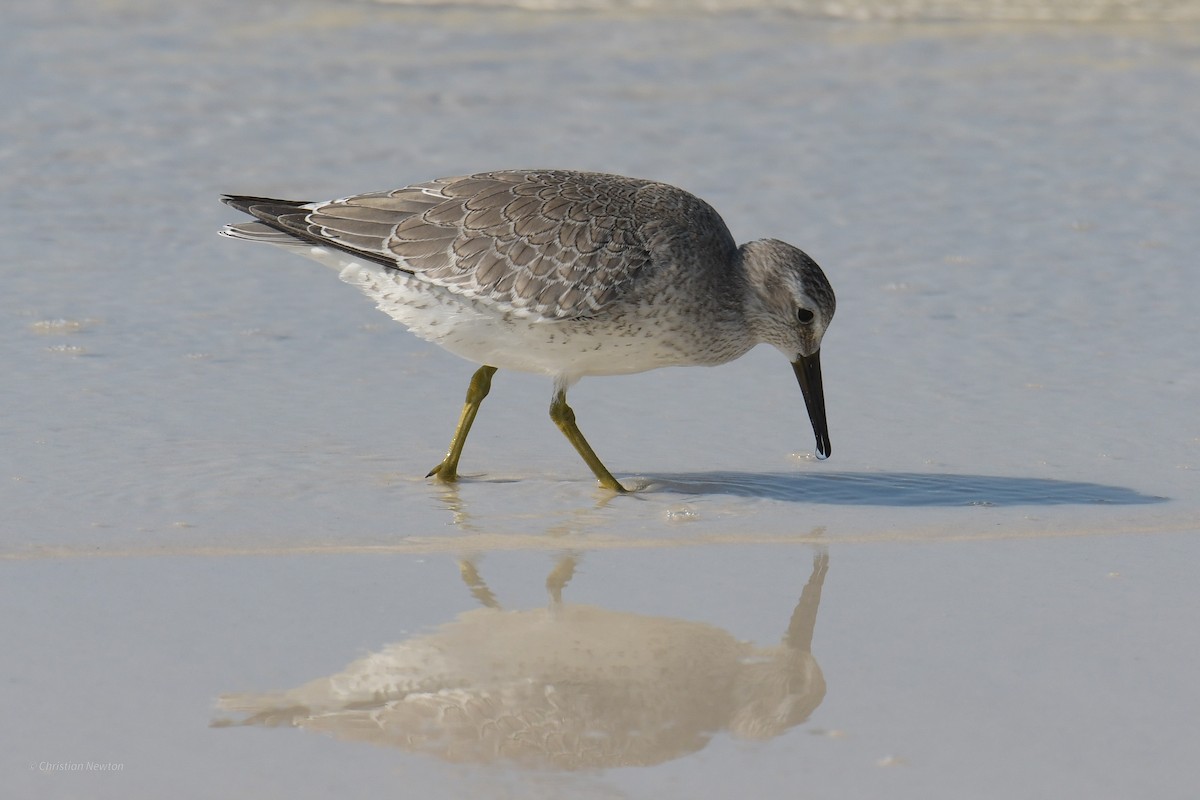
213 452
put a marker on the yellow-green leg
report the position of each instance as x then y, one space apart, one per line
481 384
564 418
474 581
558 578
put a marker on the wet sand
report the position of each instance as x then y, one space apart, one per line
214 453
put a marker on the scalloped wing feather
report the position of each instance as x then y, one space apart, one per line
549 244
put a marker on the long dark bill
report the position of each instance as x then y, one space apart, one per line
808 373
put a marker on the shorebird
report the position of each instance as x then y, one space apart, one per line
565 274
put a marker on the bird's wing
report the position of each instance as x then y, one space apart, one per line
554 245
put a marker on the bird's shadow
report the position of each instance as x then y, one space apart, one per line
898 489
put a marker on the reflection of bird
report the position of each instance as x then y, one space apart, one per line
564 274
568 687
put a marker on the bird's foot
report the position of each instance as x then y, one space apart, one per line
445 472
612 484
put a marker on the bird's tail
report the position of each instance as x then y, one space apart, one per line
267 227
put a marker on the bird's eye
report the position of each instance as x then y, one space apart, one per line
804 315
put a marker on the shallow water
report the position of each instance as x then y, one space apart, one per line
214 451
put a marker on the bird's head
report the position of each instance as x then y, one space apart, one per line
789 304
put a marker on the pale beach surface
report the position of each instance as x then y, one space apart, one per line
213 452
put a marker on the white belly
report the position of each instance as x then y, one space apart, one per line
567 350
